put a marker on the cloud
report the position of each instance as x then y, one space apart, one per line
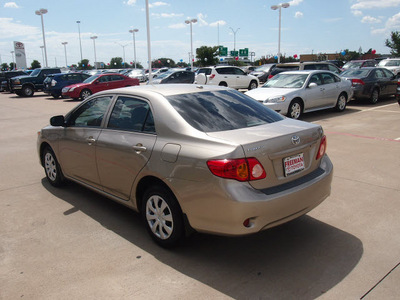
370 20
165 15
333 20
11 5
215 24
298 15
370 4
201 19
155 4
295 2
357 13
177 26
11 29
392 24
130 2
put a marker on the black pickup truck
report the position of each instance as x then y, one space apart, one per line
28 85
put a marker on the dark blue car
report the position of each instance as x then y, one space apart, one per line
54 83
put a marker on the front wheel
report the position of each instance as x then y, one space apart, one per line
341 103
85 93
52 168
162 216
253 85
374 96
27 91
295 109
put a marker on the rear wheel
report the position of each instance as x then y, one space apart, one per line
55 96
85 93
295 109
162 216
374 96
341 102
223 83
253 85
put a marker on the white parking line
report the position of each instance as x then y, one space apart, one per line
378 107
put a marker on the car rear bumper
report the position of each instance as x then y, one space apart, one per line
223 208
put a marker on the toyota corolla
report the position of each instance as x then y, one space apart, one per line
190 157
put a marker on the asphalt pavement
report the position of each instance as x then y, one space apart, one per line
70 243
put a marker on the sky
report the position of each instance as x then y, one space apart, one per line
308 26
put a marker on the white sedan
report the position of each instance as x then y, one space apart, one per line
296 92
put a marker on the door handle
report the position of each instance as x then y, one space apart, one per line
139 148
90 140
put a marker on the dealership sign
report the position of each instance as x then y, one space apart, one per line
20 57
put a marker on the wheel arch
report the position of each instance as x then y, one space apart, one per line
43 146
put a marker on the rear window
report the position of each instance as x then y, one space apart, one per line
222 110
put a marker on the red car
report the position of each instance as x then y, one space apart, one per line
97 83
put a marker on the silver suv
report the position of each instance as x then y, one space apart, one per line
229 76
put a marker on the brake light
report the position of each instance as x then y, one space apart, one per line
322 148
212 76
356 82
242 169
270 76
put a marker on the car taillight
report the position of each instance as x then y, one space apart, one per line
212 76
53 82
322 148
242 169
270 76
355 82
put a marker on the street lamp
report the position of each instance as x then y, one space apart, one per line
191 41
12 53
94 47
123 51
234 39
40 13
65 51
275 7
134 43
42 47
80 42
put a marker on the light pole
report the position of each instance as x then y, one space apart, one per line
42 47
12 53
123 52
191 41
80 42
94 47
65 51
275 7
40 13
134 44
234 39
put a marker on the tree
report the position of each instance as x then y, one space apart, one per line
116 63
4 66
84 65
349 55
163 62
35 64
394 44
12 66
207 56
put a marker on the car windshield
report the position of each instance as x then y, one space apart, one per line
213 111
165 74
352 64
355 73
91 79
288 81
35 72
389 63
263 68
137 72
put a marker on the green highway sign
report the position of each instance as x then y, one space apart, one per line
244 52
223 51
234 53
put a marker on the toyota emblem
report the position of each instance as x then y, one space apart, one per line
295 140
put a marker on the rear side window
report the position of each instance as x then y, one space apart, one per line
205 71
222 110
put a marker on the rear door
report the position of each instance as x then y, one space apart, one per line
391 83
125 145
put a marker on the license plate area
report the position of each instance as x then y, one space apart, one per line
293 164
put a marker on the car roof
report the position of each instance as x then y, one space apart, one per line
306 72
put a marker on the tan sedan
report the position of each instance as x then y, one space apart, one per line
187 156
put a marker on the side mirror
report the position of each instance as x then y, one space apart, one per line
312 85
57 121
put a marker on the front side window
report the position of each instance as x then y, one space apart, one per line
131 114
91 113
213 111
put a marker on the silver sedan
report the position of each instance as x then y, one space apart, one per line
297 92
186 156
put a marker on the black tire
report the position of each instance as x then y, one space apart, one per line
27 91
374 96
18 93
52 168
341 102
85 94
223 83
295 109
55 96
253 85
166 226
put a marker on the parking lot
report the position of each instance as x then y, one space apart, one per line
71 243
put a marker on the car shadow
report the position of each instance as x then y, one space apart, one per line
301 259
